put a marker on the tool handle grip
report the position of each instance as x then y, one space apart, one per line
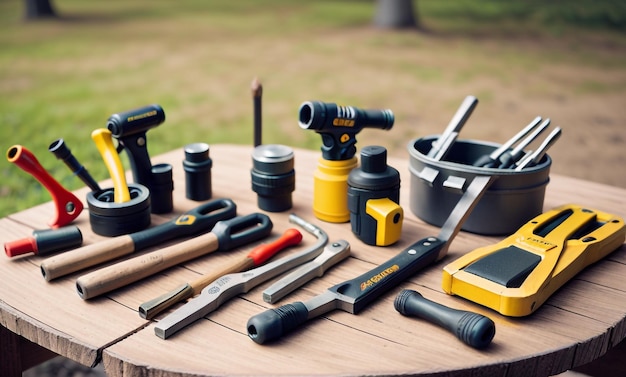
200 219
86 256
506 160
130 128
134 269
60 149
262 253
242 230
274 323
471 328
370 285
104 143
485 161
67 205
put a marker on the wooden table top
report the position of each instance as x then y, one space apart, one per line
576 325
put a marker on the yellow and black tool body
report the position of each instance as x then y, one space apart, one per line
518 274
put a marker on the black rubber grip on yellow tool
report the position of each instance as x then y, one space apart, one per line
473 329
273 324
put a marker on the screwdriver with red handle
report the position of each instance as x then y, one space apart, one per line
256 257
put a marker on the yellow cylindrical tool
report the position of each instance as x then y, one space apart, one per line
330 189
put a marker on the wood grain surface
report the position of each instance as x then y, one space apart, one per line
578 324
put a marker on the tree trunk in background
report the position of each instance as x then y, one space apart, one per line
36 9
395 14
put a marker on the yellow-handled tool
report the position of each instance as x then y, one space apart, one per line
517 275
104 142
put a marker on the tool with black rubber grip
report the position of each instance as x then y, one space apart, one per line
509 158
518 274
354 295
256 257
46 241
130 128
225 235
473 329
492 160
60 149
200 219
533 158
228 286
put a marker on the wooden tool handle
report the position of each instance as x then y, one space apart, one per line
86 256
132 270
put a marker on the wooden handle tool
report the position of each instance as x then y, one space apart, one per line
256 257
199 219
226 235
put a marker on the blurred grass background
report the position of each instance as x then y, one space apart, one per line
63 77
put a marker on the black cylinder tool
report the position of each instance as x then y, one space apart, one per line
197 165
273 176
471 328
60 149
45 242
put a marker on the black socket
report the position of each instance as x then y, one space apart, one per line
197 165
273 177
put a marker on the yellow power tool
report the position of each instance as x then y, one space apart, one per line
517 275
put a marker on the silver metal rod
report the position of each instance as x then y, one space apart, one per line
509 143
533 158
442 145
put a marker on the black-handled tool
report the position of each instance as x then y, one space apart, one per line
226 235
533 158
200 219
230 285
509 158
130 128
492 160
193 222
60 149
471 328
354 295
45 241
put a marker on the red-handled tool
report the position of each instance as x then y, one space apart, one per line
45 242
67 205
256 257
